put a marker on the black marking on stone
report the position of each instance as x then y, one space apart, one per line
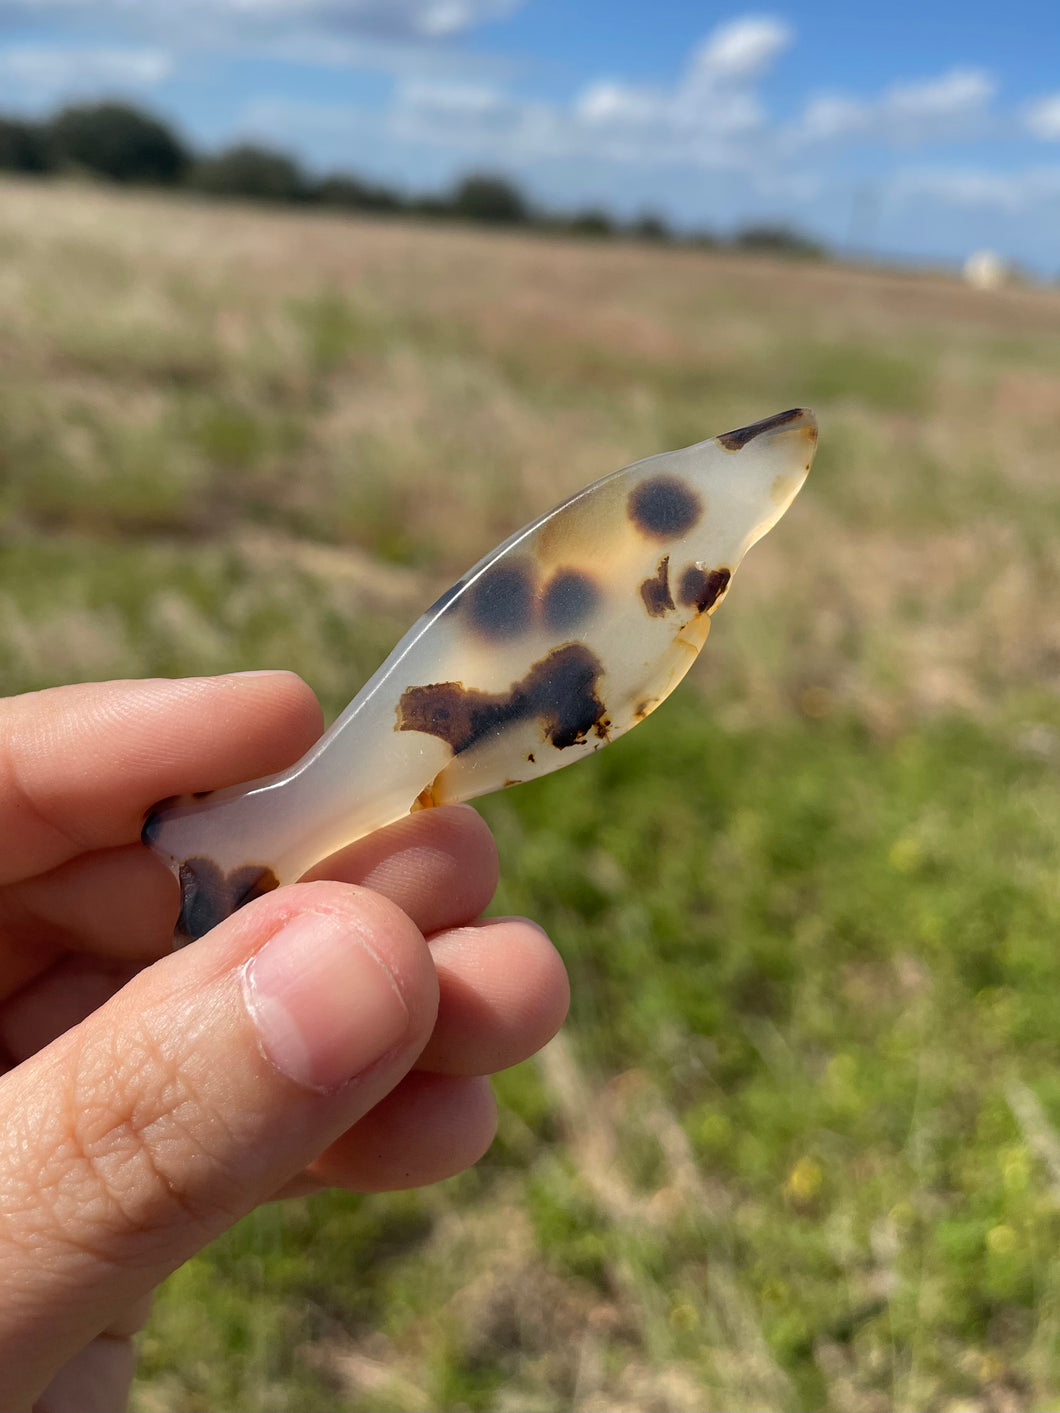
734 441
569 600
208 896
500 603
560 691
664 507
153 819
443 600
701 588
656 591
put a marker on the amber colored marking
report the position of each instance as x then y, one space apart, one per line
783 489
560 691
664 507
656 591
735 441
209 896
425 799
700 589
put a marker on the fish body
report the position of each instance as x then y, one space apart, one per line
559 641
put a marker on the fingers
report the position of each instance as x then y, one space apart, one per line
431 1127
118 902
79 766
503 994
203 1087
439 866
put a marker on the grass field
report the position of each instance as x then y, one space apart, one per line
799 1147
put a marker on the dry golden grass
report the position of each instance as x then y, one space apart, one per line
419 392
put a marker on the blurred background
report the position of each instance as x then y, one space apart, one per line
304 305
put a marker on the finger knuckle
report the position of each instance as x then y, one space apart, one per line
132 1143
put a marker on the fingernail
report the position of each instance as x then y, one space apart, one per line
323 1003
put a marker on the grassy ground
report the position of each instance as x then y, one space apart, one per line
798 1147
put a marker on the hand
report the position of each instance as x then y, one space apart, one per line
312 1039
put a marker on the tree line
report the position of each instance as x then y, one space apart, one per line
121 143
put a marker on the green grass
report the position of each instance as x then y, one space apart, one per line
798 1147
825 962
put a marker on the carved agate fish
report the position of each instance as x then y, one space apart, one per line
563 638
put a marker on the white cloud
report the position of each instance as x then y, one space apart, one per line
1043 118
952 105
392 19
1012 193
706 118
743 49
959 94
715 95
42 73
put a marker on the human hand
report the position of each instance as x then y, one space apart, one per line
312 1039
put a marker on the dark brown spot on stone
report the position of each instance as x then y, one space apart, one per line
569 600
656 591
532 758
560 691
701 588
500 603
664 507
208 896
734 441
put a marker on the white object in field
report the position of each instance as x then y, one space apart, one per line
986 270
563 638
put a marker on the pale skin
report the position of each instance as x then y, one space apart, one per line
334 1033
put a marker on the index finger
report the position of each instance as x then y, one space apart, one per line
81 765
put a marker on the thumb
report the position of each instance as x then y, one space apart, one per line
208 1082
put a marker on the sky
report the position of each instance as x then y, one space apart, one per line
915 131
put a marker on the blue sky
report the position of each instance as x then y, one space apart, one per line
915 130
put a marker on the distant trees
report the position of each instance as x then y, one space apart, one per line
345 191
651 226
250 171
591 222
124 144
778 240
116 141
493 199
22 146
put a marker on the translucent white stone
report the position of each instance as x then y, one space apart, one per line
563 638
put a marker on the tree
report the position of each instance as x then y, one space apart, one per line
117 141
484 197
344 190
779 240
251 171
22 146
593 221
650 226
